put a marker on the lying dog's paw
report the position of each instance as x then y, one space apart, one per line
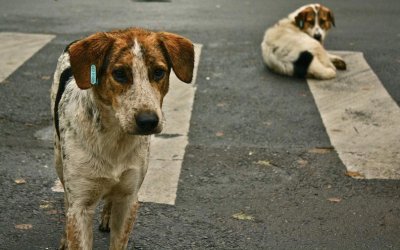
339 63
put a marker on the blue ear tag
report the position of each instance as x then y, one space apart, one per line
93 77
301 24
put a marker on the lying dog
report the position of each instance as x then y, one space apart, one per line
294 46
106 100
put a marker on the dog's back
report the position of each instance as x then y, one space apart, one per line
62 76
284 49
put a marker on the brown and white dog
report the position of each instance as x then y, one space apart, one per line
294 46
106 100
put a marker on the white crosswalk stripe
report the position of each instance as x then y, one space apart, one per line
167 150
16 48
361 119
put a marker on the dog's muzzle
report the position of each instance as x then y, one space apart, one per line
318 37
147 122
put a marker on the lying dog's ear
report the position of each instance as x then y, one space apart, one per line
331 18
87 52
300 19
181 55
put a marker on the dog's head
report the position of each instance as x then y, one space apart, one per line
314 19
132 70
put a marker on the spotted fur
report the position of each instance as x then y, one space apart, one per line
102 131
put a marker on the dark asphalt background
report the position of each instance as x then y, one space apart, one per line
252 132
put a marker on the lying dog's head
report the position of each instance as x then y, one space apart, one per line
314 19
132 70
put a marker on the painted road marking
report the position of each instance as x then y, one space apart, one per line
16 48
168 149
361 119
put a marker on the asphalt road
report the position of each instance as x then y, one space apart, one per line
252 140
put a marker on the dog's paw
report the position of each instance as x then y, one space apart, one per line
63 244
105 217
104 227
339 63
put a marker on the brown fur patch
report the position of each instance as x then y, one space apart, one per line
325 18
84 53
72 239
110 89
305 19
181 53
129 223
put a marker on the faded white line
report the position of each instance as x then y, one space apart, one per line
361 119
16 48
168 149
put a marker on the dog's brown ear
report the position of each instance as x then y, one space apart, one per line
327 15
331 18
300 19
87 52
181 55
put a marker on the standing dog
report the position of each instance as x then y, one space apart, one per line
294 46
106 100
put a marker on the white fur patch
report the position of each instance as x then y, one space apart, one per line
137 50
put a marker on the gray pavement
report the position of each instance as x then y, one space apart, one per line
259 171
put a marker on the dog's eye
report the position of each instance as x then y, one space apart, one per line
119 75
158 74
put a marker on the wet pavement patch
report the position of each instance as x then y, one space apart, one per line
45 134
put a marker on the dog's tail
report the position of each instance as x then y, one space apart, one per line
300 66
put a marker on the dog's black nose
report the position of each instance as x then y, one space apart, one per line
318 37
147 121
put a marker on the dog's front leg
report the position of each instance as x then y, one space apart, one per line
82 201
123 216
79 228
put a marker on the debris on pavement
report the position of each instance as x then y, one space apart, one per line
354 174
242 216
20 181
23 226
335 199
321 150
264 163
